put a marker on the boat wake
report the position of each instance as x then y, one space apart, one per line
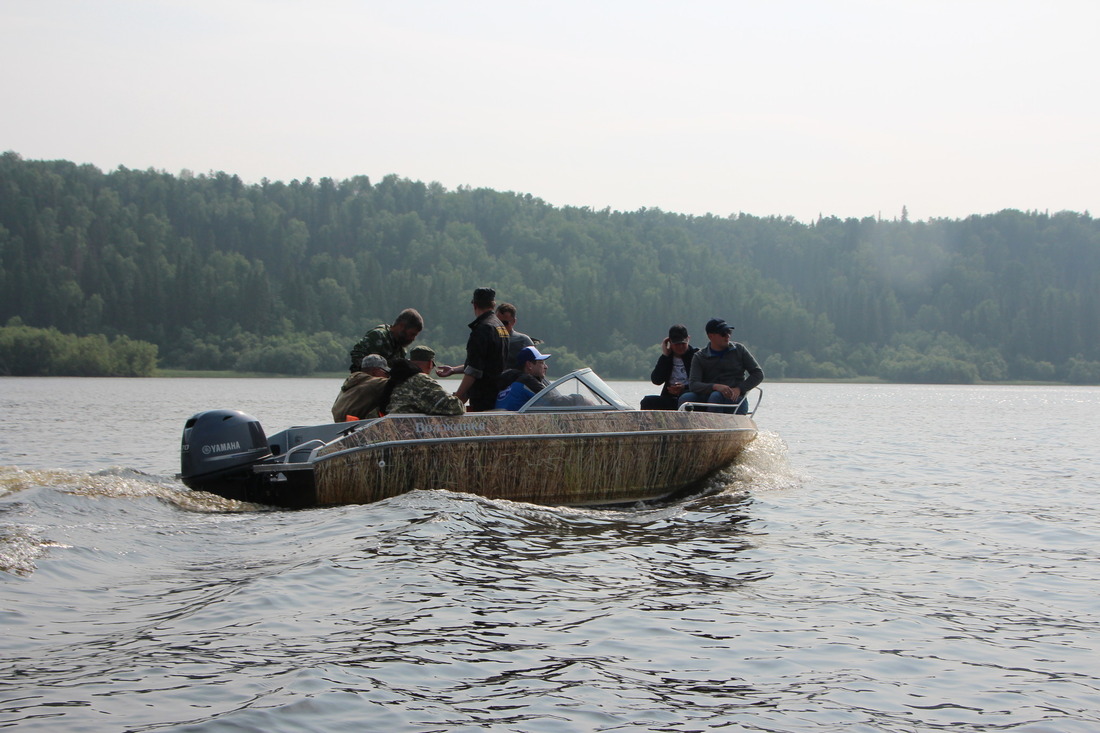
35 503
764 465
116 483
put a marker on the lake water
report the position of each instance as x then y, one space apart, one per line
884 558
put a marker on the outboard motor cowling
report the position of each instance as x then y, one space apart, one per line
218 450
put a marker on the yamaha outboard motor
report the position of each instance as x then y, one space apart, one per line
218 451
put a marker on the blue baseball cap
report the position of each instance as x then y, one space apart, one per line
529 353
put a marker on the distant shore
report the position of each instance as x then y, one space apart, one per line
228 374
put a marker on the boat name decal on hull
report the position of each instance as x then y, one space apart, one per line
450 427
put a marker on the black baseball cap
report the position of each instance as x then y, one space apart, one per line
718 325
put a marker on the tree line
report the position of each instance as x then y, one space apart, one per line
46 352
285 277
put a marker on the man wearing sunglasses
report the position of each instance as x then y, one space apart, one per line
517 341
723 372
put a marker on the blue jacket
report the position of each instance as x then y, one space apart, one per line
514 396
516 388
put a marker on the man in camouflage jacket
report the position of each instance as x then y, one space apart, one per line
422 394
389 342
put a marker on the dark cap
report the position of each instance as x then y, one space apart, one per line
484 297
678 334
422 353
717 325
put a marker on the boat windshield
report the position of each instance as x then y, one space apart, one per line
580 391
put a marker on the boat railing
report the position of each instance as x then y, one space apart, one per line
289 440
733 407
304 451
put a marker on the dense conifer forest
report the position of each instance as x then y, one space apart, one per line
133 270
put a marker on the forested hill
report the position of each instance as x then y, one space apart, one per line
285 277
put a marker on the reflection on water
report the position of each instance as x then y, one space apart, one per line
860 569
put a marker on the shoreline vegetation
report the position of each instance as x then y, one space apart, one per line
39 352
46 352
126 272
340 376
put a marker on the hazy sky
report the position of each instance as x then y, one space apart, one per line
847 108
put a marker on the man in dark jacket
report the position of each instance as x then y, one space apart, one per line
723 372
486 350
673 367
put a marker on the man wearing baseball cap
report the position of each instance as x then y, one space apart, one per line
486 350
723 372
673 366
519 385
361 394
423 358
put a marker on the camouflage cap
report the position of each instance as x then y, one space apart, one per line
373 361
422 353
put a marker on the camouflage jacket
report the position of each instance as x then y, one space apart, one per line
359 397
420 393
379 341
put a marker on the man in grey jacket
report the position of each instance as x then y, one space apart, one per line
723 372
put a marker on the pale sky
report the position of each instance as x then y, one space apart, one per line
796 108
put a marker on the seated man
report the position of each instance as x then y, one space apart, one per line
673 366
723 372
411 391
361 393
423 358
525 381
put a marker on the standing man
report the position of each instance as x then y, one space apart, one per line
673 367
486 350
723 372
389 342
506 312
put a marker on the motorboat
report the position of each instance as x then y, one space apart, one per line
575 443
